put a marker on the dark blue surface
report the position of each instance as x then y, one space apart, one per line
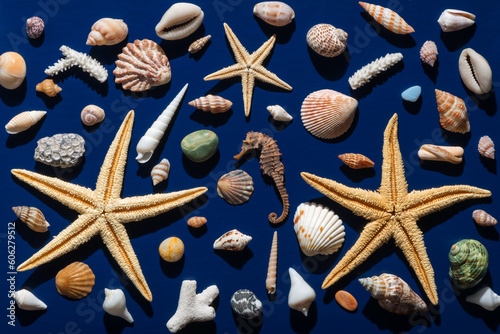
68 23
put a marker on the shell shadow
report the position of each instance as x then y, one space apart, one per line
401 41
486 102
156 92
37 42
455 40
108 54
443 167
283 34
487 232
357 175
208 327
431 71
14 97
66 174
33 238
320 264
208 119
331 69
22 138
413 107
178 48
379 80
235 259
489 164
50 102
198 232
160 187
26 318
199 170
248 326
302 324
456 139
278 125
172 269
115 325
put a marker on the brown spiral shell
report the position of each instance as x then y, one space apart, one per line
92 114
356 160
32 217
452 112
214 104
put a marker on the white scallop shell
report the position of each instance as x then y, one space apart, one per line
232 240
454 19
160 172
279 113
475 71
179 21
235 187
486 147
115 304
24 121
26 300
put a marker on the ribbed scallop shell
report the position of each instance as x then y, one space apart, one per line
454 19
212 103
24 121
279 113
32 217
232 240
326 40
107 31
197 222
452 112
356 160
12 70
486 147
92 114
142 65
48 87
483 218
318 229
387 18
75 281
475 71
429 53
328 114
275 13
160 172
179 21
468 263
235 187
199 44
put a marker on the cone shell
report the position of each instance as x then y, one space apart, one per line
356 160
483 218
475 71
275 13
179 21
75 281
454 19
197 222
428 53
235 187
272 266
326 40
92 115
387 18
328 114
452 112
107 31
233 240
318 229
486 147
48 87
26 300
160 172
24 121
12 70
452 154
32 217
468 263
199 44
212 103
279 114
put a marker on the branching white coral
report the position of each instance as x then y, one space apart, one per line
363 75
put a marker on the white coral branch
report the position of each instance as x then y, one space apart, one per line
363 75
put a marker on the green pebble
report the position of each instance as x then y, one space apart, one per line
200 145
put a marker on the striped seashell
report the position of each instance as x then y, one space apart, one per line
326 40
179 21
356 160
26 300
212 103
107 31
431 152
454 19
486 147
272 266
160 172
48 87
92 115
469 262
232 240
75 281
367 72
475 71
32 217
235 187
327 113
199 44
24 121
483 218
429 52
452 112
279 114
387 18
275 13
197 222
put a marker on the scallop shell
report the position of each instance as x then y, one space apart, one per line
179 21
328 114
235 187
486 147
483 218
34 27
197 222
75 281
272 266
275 13
326 40
107 31
32 217
12 70
468 263
356 160
26 300
160 172
431 152
485 298
199 44
24 121
387 18
92 115
429 53
475 71
319 230
279 114
232 240
454 19
452 112
142 65
48 87
212 103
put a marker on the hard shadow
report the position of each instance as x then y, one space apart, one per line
486 102
65 174
489 164
357 175
431 71
22 138
320 264
208 327
27 318
301 323
50 102
172 269
156 92
413 107
208 119
37 42
108 54
283 34
378 80
331 69
489 318
487 232
278 125
405 41
160 187
456 139
178 48
235 259
33 238
114 324
443 167
199 170
198 232
14 97
77 73
248 326
197 55
455 40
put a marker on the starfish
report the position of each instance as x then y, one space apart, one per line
392 212
249 67
102 211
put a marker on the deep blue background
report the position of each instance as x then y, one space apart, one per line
68 22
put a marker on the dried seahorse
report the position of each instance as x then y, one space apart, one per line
270 165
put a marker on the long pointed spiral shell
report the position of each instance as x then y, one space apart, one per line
475 71
483 218
387 18
212 103
367 72
107 31
92 114
160 172
429 52
24 121
48 87
12 70
486 147
75 281
199 44
431 152
273 266
32 217
356 160
452 112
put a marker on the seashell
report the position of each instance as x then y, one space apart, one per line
26 300
475 71
179 21
147 144
160 172
197 222
326 40
200 145
279 114
142 65
485 298
235 187
393 294
387 18
75 281
115 304
245 304
454 19
32 217
346 300
34 27
452 112
275 13
411 94
12 70
48 87
429 52
92 115
199 44
171 249
367 72
318 229
431 152
272 266
483 218
232 240
24 121
468 263
61 150
486 147
212 103
327 113
107 31
356 160
301 295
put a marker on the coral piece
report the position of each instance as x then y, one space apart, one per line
75 281
214 104
34 27
160 172
24 121
475 71
171 249
235 187
468 263
61 150
301 295
199 44
483 218
12 70
346 300
107 31
279 114
452 112
232 240
197 222
200 145
485 298
272 266
326 40
387 18
32 217
245 304
452 154
429 53
115 304
92 115
454 19
367 72
411 94
179 21
486 147
48 87
26 300
275 13
356 160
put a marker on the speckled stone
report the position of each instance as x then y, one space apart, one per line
245 304
200 145
34 27
61 150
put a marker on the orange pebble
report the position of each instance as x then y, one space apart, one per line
346 300
196 221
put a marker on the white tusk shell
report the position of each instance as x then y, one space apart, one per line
115 304
301 294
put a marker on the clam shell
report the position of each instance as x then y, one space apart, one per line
179 21
26 300
454 19
452 112
486 147
235 187
199 44
32 217
387 18
12 70
75 281
326 40
429 52
275 13
24 121
48 87
92 114
197 222
160 172
232 240
356 160
107 31
279 114
212 103
483 218
468 263
34 27
319 230
431 152
328 114
475 71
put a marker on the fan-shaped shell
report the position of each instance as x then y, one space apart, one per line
142 65
235 187
24 121
429 52
232 240
196 222
160 172
75 281
275 13
92 114
387 18
356 160
12 70
475 71
468 263
483 218
486 147
179 21
454 19
212 103
48 87
32 217
107 31
279 114
326 40
452 112
199 44
328 114
319 230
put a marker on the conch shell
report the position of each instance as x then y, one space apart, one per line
115 304
26 300
107 31
179 21
454 19
24 121
485 298
12 70
452 112
475 71
48 87
279 114
301 295
232 240
486 147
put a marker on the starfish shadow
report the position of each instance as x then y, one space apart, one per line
378 80
250 326
405 41
302 324
23 138
331 69
455 40
14 97
115 325
208 119
283 34
235 259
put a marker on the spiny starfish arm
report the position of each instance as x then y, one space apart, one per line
262 74
374 235
235 70
364 203
79 232
71 195
247 85
240 53
259 55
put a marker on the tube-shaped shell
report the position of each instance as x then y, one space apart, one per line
212 103
326 40
279 114
486 147
12 70
48 87
272 266
452 112
75 281
429 52
92 114
431 152
115 304
196 222
367 72
199 44
179 21
301 295
468 263
454 19
485 298
483 218
356 160
32 217
147 144
107 31
160 172
387 18
232 240
235 187
26 300
275 13
475 71
24 121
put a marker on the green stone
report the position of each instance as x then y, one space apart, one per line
200 145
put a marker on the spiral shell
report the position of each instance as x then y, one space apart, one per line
483 218
107 31
75 281
452 112
468 263
431 152
454 19
26 300
12 70
196 222
235 187
429 53
32 217
34 27
24 121
48 87
387 18
92 114
272 266
179 21
326 40
198 44
245 304
275 13
475 71
279 114
212 103
160 172
232 240
486 147
356 160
